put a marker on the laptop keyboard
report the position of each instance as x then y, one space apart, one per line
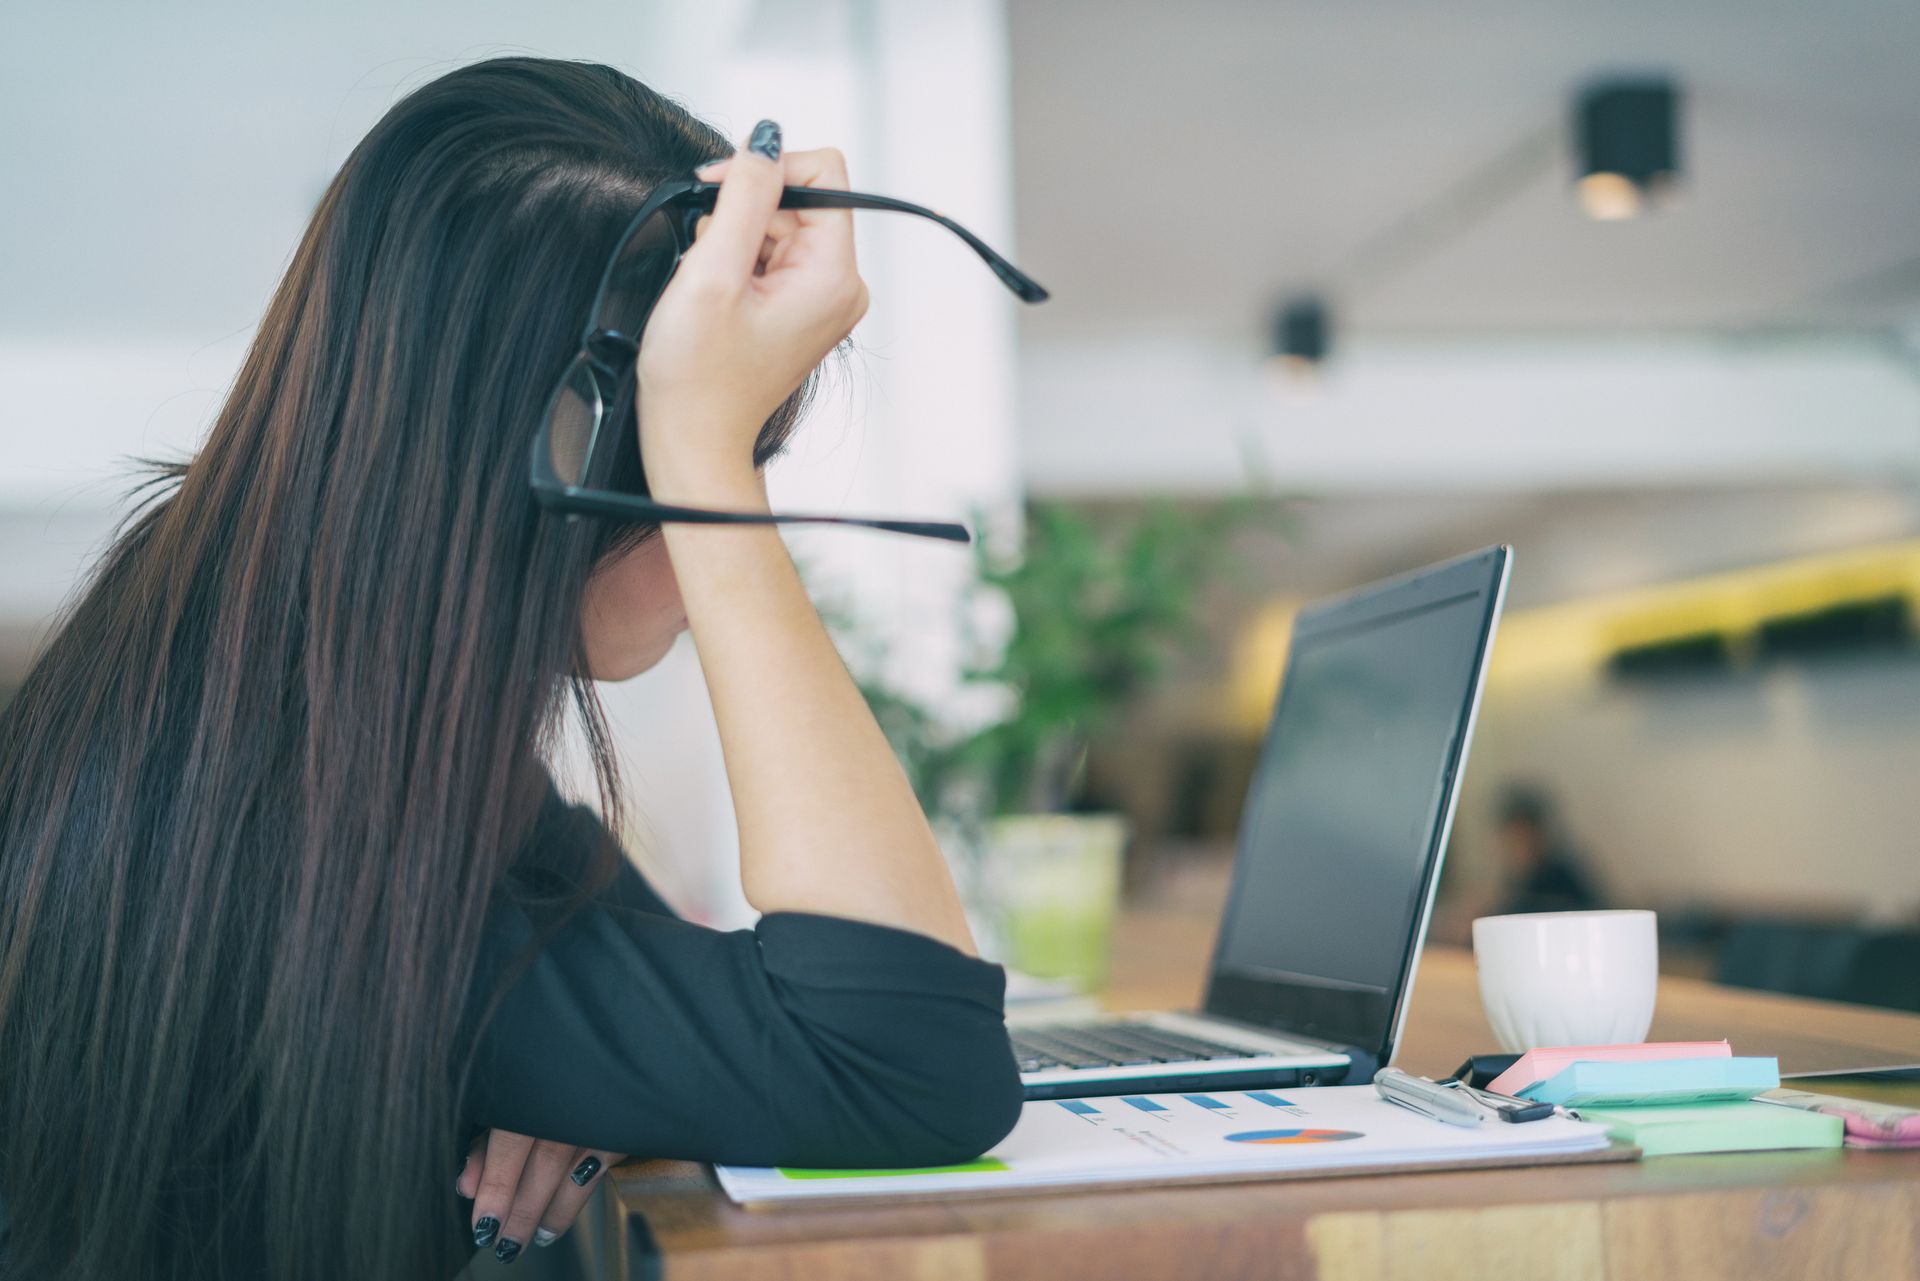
1101 1045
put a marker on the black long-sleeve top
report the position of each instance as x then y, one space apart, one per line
806 1040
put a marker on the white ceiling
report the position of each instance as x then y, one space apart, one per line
1178 166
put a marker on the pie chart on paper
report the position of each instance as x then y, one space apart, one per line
1293 1136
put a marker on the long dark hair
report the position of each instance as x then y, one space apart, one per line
256 792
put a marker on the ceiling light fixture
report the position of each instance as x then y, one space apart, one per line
1627 136
1301 330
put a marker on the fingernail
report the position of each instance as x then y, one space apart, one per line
584 1172
506 1250
543 1237
483 1231
765 140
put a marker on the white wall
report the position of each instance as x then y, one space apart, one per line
162 161
1499 415
1794 790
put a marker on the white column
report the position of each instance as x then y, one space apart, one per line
918 421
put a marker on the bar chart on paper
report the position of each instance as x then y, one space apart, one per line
1164 1137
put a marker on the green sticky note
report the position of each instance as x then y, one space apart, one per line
1716 1127
985 1165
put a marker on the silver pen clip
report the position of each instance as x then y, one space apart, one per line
1435 1100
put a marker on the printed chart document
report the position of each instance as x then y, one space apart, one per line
1156 1138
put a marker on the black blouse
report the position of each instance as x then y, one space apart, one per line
807 1040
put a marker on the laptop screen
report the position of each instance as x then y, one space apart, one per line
1340 840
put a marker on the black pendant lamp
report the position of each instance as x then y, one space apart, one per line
1626 135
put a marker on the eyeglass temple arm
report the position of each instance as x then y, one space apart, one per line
1026 287
629 507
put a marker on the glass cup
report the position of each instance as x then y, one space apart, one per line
1054 885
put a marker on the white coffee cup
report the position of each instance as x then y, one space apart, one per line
1567 978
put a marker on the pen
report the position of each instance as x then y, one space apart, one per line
1429 1098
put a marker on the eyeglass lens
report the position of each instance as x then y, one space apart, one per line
639 274
574 423
634 283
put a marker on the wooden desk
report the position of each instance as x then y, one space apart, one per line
1739 1217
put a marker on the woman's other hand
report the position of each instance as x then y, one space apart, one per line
524 1188
759 300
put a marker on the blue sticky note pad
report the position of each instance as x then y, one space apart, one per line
1657 1081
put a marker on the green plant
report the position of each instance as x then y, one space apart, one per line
1098 605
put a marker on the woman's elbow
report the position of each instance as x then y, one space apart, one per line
986 1098
968 1099
939 1100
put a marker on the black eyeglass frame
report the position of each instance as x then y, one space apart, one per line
609 356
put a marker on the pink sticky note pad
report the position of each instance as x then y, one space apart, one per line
1892 1145
1865 1130
1544 1064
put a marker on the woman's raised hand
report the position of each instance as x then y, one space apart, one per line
526 1189
759 299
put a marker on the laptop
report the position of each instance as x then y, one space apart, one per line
1341 838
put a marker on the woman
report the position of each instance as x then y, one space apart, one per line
293 913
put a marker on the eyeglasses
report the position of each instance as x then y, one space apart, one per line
573 458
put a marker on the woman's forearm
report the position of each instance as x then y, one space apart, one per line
828 822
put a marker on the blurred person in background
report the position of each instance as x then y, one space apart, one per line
1537 870
296 922
1542 870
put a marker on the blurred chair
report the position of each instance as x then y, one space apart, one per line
1886 971
1797 958
1824 961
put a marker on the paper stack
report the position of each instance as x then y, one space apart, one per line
1161 1138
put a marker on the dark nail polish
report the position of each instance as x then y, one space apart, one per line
483 1231
584 1172
765 140
506 1250
542 1237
